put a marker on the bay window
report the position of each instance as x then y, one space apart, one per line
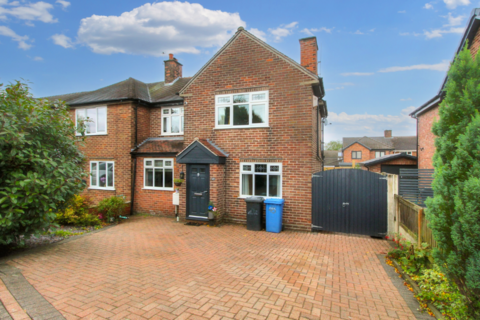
95 119
261 179
172 121
158 174
241 110
101 174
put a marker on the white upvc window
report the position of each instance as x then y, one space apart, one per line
241 110
261 179
158 174
379 154
172 120
96 120
102 175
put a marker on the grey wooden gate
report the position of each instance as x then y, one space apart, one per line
349 201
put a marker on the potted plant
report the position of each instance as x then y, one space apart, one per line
212 211
178 182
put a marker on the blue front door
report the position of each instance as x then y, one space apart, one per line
198 188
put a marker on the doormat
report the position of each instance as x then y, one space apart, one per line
196 224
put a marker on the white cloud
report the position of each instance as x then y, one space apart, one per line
341 86
62 40
311 31
151 29
442 66
358 32
403 11
258 33
283 31
63 3
336 88
453 21
38 59
438 33
359 125
452 4
428 6
30 11
372 30
347 74
22 40
404 33
407 99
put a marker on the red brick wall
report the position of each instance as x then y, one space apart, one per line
426 139
114 146
475 45
143 123
155 202
308 54
347 153
378 167
246 64
217 188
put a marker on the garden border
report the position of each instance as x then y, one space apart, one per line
416 290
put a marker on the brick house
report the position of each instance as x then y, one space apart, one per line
427 113
249 122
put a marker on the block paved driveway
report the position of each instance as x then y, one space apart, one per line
154 268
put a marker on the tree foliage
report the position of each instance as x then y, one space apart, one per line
454 211
41 167
334 145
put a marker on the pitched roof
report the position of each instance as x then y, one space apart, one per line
387 158
473 26
240 31
160 145
209 145
382 143
127 90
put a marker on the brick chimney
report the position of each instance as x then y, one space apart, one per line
308 53
173 69
388 133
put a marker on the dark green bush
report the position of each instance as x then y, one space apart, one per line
112 207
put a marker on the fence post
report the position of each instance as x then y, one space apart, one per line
397 214
419 239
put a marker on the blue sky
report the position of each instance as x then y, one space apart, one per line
379 59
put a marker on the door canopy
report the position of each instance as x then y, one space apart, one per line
202 151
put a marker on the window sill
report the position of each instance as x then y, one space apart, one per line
159 189
244 197
93 134
98 188
242 127
172 134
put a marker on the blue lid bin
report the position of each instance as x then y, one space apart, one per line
274 208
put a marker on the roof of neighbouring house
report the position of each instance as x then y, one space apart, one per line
382 143
130 89
331 158
387 158
473 25
160 145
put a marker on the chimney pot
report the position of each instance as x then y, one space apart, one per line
388 133
170 56
308 53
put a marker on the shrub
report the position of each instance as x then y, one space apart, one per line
77 213
41 167
112 207
454 211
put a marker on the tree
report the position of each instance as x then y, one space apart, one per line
334 145
41 167
454 211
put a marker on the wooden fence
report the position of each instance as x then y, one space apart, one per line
412 218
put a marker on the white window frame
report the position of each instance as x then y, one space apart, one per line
97 186
268 173
169 121
356 155
250 104
153 167
85 110
379 152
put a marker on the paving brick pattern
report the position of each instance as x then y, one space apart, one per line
154 268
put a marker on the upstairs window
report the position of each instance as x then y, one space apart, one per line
356 154
96 119
261 179
241 110
172 120
379 154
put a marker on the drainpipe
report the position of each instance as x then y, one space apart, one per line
132 192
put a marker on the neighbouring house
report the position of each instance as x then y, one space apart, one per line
249 122
360 149
427 113
331 159
391 163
